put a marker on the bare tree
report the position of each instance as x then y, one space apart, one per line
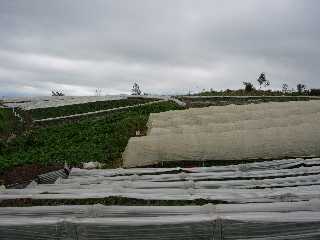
262 80
285 88
56 93
301 88
136 89
98 92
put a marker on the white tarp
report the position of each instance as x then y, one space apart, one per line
249 221
256 131
28 103
281 180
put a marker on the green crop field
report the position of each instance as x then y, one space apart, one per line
102 139
51 112
204 101
9 124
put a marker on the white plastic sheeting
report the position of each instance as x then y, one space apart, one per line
250 221
268 122
276 200
239 108
45 102
271 181
28 103
276 142
255 131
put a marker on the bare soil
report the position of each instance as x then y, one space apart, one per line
22 175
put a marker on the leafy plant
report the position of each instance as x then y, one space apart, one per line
101 140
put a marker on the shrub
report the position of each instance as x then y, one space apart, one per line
315 92
248 86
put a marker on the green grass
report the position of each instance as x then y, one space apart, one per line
51 112
9 124
101 139
204 101
246 98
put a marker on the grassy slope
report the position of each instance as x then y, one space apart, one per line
9 124
101 140
41 113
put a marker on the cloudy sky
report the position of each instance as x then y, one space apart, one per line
166 46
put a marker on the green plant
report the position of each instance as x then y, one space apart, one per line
9 123
91 139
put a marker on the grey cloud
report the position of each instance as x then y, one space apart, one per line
166 46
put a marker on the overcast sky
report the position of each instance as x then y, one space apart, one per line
165 46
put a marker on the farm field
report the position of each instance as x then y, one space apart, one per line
222 100
91 139
263 182
274 199
159 120
227 221
66 110
8 123
28 103
190 187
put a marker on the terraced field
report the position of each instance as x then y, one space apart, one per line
67 110
208 177
90 139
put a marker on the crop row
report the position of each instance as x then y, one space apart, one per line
51 112
102 139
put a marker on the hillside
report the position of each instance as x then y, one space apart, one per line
96 138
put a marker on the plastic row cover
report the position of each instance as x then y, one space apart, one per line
270 143
213 115
259 131
158 223
260 185
255 166
211 127
285 106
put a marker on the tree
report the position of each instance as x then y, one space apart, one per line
262 80
285 88
301 88
248 86
315 92
55 93
98 92
136 89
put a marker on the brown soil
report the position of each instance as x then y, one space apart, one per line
24 174
112 200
